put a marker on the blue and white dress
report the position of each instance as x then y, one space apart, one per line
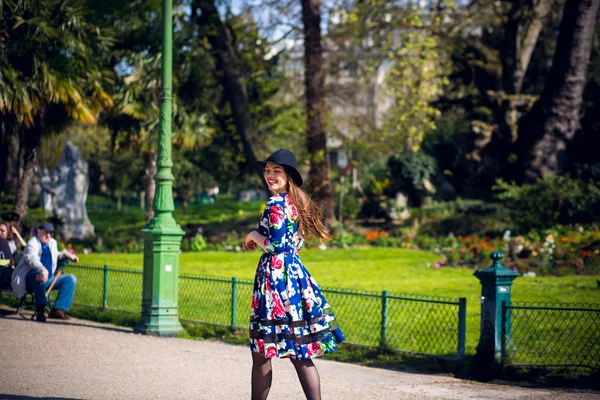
289 318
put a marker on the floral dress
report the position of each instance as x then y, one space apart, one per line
289 318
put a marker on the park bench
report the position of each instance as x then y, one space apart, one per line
28 300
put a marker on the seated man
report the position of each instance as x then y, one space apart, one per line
36 272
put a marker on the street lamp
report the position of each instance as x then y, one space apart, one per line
162 235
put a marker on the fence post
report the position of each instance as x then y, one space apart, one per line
503 332
105 291
496 284
462 326
233 300
384 318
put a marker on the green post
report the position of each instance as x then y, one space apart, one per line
384 318
105 291
462 327
233 301
162 235
496 284
503 330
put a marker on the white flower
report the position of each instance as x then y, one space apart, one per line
322 247
506 235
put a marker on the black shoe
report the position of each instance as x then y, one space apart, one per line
39 314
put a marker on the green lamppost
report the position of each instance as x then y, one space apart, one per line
162 235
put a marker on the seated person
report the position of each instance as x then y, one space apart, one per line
6 259
36 272
9 233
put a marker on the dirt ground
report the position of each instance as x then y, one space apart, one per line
80 359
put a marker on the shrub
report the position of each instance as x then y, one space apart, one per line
550 201
409 173
185 244
199 243
351 207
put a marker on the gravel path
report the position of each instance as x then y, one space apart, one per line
88 360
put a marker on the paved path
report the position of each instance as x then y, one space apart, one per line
89 360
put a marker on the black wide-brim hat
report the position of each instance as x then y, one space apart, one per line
287 160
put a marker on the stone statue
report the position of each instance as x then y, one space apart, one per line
64 193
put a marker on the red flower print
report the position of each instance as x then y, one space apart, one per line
261 345
278 310
276 216
314 349
277 263
309 305
254 303
270 352
291 208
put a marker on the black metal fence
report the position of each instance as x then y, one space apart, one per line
433 326
551 335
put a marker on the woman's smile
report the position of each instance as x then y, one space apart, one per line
276 178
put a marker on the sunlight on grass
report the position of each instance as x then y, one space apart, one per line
378 269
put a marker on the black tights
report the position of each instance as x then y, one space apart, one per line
262 376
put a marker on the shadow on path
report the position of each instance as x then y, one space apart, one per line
14 397
5 313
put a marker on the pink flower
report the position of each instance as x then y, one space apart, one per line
309 305
436 265
292 210
276 216
271 352
278 310
277 263
314 349
254 303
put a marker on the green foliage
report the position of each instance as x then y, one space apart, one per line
198 243
351 206
412 173
51 59
550 201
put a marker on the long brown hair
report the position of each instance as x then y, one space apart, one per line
308 212
9 231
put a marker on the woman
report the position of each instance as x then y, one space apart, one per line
289 318
8 232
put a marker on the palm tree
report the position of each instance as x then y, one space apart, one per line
49 75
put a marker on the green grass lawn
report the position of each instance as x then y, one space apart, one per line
367 269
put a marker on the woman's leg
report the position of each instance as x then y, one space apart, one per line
262 375
309 378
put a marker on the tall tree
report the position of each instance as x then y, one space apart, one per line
555 117
316 140
525 21
231 76
50 75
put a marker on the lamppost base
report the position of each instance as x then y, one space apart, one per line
153 324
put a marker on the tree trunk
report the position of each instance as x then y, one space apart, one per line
320 174
149 184
555 117
528 39
525 21
29 143
231 77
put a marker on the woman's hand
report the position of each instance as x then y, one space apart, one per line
19 238
254 239
249 244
